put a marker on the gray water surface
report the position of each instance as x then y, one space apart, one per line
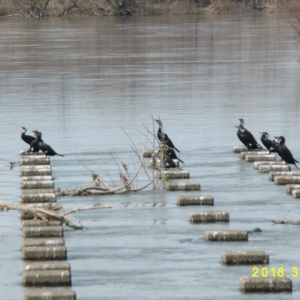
85 82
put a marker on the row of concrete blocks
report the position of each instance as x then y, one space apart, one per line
43 248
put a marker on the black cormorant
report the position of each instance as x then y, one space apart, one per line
163 137
26 138
246 137
173 155
271 145
45 148
285 153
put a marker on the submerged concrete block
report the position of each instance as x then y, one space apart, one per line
273 174
45 253
195 200
290 187
174 174
245 257
256 164
34 160
46 265
226 235
209 216
286 180
252 158
243 154
42 231
49 294
46 242
47 278
181 186
265 285
239 149
148 153
43 170
47 184
273 168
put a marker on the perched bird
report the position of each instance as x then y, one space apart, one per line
163 137
285 153
34 145
45 148
26 138
271 145
168 161
246 137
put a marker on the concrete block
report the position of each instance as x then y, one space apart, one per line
253 158
239 149
256 164
273 174
265 285
34 160
38 278
181 186
47 184
49 294
209 216
195 200
43 242
273 168
281 180
42 231
290 187
243 154
43 170
46 265
174 174
226 235
245 257
45 253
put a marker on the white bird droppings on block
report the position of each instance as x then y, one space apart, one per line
36 170
43 231
46 265
47 278
245 257
265 285
174 174
45 253
209 216
46 242
239 149
181 186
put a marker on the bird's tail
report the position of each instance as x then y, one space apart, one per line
176 149
296 165
180 160
60 154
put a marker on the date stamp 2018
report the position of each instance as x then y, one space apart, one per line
274 272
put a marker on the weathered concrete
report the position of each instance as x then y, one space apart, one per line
245 257
36 178
273 174
46 184
273 168
265 285
40 278
243 154
45 253
226 235
42 231
49 294
40 223
290 187
281 180
296 193
253 158
46 265
174 174
194 200
38 160
239 149
38 196
42 242
44 170
256 164
209 216
181 186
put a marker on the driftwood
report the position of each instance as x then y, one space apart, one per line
283 221
52 212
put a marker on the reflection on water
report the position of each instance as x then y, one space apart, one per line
82 82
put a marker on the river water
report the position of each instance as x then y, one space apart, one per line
88 83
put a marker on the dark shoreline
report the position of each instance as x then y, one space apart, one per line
59 8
